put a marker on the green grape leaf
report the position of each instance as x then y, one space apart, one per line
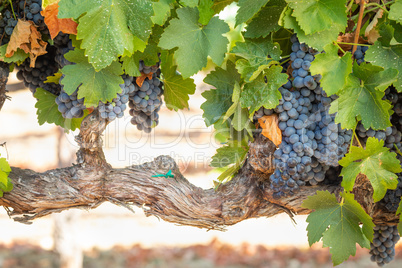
219 100
317 40
387 57
4 166
48 112
205 10
362 98
268 17
235 100
93 86
229 154
219 5
319 15
260 93
334 69
282 37
48 2
130 64
150 53
5 182
397 31
18 57
257 55
195 43
162 11
107 28
376 162
176 88
338 224
248 8
395 11
189 3
399 212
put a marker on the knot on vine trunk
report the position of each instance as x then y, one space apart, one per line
90 141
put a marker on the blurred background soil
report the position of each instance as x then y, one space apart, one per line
112 236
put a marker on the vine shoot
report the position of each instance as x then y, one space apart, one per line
306 98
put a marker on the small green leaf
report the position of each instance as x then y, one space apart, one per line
48 112
205 10
176 88
269 17
338 224
395 11
259 93
4 166
195 43
18 57
376 162
219 100
235 100
93 86
248 8
229 154
130 65
257 55
362 98
316 40
162 11
334 69
319 15
387 57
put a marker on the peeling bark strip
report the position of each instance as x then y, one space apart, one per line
175 200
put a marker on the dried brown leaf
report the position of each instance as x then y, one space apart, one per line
26 37
349 38
20 36
270 128
371 33
56 25
140 79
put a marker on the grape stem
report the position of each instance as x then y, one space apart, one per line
353 44
336 43
359 25
357 138
12 9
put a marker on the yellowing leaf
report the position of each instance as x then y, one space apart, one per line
26 37
56 25
270 128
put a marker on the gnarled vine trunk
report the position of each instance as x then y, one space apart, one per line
93 181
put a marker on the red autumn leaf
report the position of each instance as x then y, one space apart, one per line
56 25
270 128
140 79
26 37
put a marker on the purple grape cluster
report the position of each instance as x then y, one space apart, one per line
34 77
311 141
146 101
383 246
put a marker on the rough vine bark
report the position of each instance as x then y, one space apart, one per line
4 72
93 181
